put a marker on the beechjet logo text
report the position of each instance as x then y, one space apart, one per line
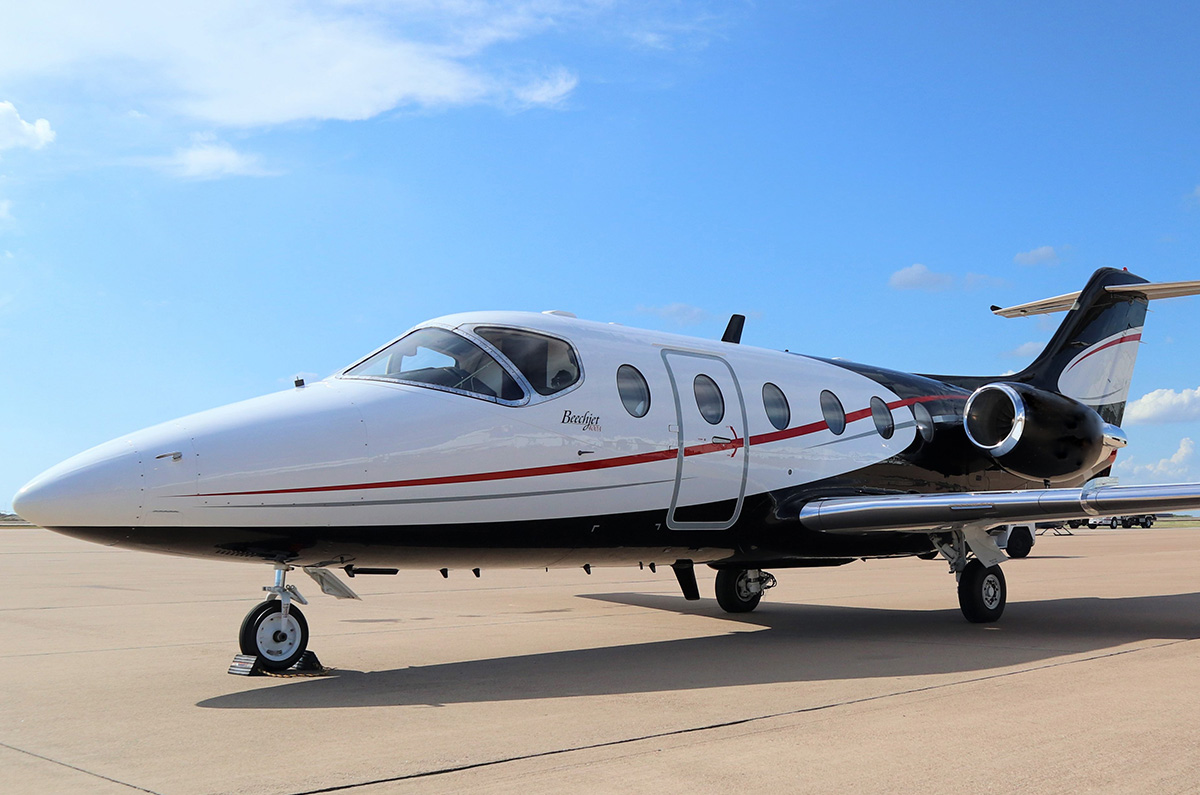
587 420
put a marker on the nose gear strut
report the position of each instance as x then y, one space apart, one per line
274 634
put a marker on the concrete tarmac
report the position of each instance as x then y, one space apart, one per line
864 678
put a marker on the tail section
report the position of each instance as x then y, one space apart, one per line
1091 356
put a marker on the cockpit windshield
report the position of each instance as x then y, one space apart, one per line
443 359
548 363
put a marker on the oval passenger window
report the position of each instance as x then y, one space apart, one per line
633 389
776 405
924 421
709 399
831 409
883 418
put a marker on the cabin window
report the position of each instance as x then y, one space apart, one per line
831 409
882 416
441 359
633 389
776 405
548 363
924 421
709 399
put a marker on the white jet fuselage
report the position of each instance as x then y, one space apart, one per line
366 451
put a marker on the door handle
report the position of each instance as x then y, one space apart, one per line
721 440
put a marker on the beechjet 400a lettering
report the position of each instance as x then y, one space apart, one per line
540 440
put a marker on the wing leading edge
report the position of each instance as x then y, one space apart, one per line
936 513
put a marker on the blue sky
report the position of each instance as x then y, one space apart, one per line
199 200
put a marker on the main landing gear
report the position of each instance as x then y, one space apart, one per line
982 592
275 631
740 590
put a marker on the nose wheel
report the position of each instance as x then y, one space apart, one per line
276 639
275 631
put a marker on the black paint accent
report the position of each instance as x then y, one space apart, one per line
706 512
619 539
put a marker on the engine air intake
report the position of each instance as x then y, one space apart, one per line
1036 434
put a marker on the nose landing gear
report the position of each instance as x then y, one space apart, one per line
275 631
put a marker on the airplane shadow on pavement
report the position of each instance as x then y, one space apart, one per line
778 643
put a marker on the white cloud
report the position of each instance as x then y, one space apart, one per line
250 63
679 314
5 209
1176 467
919 277
551 90
1042 255
207 159
1026 350
1164 405
15 131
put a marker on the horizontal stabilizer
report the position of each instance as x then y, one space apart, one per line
1061 303
931 513
1160 290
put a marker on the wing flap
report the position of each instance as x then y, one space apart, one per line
929 513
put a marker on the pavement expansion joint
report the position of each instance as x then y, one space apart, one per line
79 769
741 721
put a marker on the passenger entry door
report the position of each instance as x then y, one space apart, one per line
713 457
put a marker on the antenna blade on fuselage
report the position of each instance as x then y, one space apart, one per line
733 332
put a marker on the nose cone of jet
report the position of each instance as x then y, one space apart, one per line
100 487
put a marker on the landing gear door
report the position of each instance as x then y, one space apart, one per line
713 456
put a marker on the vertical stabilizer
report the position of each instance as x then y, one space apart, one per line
1091 356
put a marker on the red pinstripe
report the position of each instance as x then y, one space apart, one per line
585 466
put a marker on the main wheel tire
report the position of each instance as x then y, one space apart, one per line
278 643
1020 542
1112 523
1074 524
1148 522
733 591
982 593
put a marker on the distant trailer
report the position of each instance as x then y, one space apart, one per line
1113 522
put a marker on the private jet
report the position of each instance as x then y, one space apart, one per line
534 440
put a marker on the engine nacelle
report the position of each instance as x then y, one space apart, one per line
1036 434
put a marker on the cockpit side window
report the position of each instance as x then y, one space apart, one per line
548 363
442 359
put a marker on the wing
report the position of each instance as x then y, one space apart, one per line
936 513
970 515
